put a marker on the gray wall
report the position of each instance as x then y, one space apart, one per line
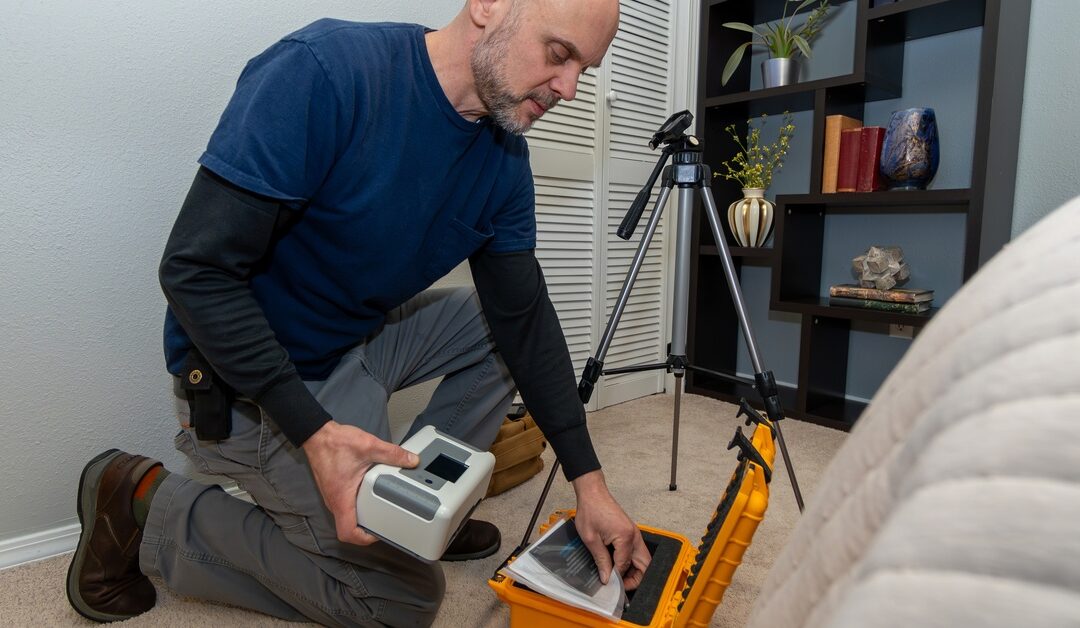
1048 173
104 108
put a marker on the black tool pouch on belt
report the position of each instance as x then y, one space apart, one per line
209 398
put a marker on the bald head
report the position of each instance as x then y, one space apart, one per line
605 12
593 21
599 16
515 59
529 54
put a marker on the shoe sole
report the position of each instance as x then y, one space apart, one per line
89 482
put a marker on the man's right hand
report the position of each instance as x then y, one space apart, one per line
339 456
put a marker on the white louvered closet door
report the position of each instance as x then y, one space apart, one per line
589 158
563 151
638 100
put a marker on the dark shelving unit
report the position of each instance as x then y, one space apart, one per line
795 258
819 306
748 254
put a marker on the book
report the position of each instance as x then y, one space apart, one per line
559 566
847 167
884 306
895 295
833 126
869 178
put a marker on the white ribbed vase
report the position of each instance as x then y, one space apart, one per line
751 217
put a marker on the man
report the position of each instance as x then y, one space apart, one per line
354 165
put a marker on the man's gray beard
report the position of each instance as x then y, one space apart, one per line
491 85
501 103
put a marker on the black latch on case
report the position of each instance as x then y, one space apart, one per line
748 451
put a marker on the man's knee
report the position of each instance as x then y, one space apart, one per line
431 594
464 292
432 590
467 297
467 308
418 601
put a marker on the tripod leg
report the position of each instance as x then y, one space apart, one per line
680 315
596 363
539 505
787 464
766 385
675 433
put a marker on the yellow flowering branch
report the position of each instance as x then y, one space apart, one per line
754 164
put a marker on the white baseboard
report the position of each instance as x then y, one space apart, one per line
38 545
44 544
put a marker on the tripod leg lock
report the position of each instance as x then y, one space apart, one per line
766 386
589 375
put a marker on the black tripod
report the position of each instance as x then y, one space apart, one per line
688 173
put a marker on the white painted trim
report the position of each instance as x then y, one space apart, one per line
37 546
30 548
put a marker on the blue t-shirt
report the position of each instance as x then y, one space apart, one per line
347 123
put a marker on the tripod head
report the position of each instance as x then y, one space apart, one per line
672 129
687 149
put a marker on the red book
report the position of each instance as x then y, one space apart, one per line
847 170
830 162
869 178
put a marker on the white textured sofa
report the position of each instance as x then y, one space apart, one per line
956 499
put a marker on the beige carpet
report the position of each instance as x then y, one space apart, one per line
634 443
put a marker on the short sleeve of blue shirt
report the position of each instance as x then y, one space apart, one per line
280 132
515 225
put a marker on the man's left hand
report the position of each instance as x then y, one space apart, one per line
601 522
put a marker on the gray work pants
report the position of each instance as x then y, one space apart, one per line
282 557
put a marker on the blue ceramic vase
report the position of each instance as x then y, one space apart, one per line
910 152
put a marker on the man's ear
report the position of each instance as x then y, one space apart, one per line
483 11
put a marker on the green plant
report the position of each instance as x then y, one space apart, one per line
755 162
781 38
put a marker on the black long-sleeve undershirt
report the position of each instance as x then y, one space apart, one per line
222 235
526 328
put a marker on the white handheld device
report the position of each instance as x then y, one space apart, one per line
420 510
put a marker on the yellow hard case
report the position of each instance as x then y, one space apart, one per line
708 568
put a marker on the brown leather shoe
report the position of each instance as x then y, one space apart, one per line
477 539
104 582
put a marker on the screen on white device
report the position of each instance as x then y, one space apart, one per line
446 468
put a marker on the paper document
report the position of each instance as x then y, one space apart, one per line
559 566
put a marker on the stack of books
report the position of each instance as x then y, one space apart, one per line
852 159
901 300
